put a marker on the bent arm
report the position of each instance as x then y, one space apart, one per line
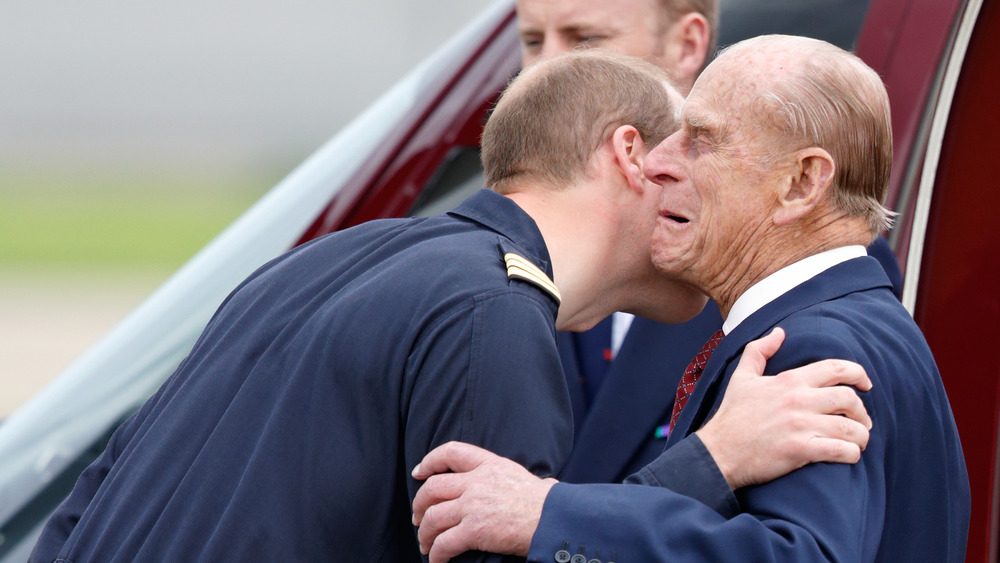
63 521
492 378
471 491
767 427
797 519
817 513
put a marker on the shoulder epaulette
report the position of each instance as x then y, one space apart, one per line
521 268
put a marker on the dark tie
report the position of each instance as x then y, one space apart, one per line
686 385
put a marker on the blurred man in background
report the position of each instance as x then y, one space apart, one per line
676 35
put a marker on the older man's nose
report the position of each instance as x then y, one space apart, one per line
662 164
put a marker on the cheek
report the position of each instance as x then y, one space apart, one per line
630 45
720 195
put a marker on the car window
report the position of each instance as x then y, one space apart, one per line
836 21
458 177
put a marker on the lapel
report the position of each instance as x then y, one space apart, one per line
858 274
637 396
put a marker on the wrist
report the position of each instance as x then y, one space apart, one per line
712 444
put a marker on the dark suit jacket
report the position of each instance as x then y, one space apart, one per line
906 500
615 437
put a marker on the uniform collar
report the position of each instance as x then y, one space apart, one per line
499 213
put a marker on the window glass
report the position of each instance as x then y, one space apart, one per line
458 177
836 21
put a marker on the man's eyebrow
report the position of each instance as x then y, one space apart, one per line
568 27
581 28
694 121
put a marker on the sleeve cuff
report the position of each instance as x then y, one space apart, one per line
688 469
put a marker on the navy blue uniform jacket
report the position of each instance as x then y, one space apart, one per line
289 432
906 500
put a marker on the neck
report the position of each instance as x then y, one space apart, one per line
576 230
785 247
597 234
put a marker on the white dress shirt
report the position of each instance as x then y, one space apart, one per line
784 280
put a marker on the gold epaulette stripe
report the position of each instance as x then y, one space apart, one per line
519 267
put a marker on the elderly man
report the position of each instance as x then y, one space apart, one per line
771 189
289 432
622 373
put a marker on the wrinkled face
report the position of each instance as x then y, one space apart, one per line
717 195
630 27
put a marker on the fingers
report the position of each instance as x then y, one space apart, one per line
443 535
437 489
836 433
831 450
844 401
757 353
441 485
448 545
829 395
453 456
827 373
438 519
838 400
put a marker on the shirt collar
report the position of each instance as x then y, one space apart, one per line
782 281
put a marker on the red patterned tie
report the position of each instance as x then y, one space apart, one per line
686 385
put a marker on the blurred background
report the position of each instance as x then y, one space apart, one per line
131 133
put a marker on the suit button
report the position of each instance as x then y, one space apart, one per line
562 556
594 561
578 559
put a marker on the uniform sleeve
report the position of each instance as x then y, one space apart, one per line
821 512
60 525
689 469
491 377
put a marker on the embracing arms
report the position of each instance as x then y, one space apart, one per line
766 427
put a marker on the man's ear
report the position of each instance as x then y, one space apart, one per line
629 151
688 46
807 185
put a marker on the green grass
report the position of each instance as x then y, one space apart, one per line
115 221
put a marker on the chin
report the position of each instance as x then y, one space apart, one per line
681 303
668 257
669 263
690 302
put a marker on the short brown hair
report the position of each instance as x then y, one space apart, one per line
551 118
